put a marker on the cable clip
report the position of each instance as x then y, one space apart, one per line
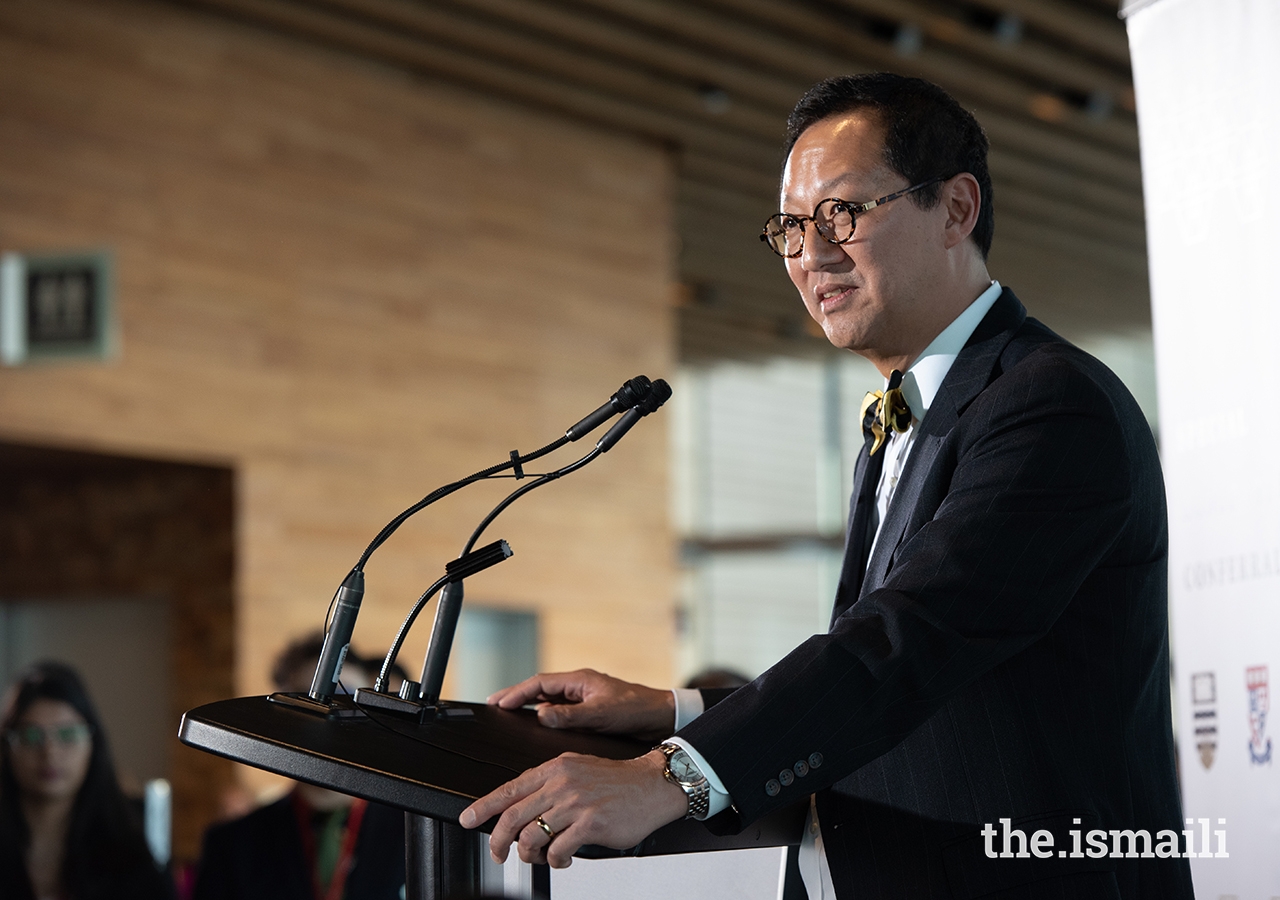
515 464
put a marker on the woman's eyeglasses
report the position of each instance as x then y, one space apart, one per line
29 737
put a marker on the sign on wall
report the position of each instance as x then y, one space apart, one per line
55 307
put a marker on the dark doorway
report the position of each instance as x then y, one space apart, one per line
138 554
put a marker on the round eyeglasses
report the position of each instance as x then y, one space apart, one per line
834 219
29 737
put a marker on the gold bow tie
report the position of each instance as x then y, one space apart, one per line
885 411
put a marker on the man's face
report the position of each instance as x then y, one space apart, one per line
870 294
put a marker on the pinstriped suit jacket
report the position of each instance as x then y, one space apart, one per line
1006 657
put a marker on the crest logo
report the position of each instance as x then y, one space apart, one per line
1259 704
1204 705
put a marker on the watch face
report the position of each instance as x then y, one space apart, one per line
683 769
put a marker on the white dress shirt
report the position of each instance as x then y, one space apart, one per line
920 385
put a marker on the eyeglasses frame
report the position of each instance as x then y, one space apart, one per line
855 210
48 736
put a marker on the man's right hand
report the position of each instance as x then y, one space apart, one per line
592 701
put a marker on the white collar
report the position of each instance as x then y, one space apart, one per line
924 376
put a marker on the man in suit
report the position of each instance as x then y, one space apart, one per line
988 715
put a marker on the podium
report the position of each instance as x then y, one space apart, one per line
433 771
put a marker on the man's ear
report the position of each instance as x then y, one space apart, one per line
961 198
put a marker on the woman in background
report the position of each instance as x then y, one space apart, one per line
66 830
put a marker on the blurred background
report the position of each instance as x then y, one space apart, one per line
348 250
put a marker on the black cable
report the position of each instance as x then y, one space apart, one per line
441 492
430 592
521 491
634 393
639 393
390 659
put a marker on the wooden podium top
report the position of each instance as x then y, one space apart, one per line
435 769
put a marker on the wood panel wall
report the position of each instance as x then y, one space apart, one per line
349 285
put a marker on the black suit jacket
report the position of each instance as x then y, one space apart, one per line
1006 656
261 857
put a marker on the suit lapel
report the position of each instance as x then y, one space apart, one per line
969 375
904 501
866 475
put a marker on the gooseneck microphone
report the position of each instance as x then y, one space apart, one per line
460 568
637 397
633 391
428 688
450 605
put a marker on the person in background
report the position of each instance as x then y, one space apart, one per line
67 832
312 844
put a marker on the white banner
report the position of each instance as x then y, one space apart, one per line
1207 77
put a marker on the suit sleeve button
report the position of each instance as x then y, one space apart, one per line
786 776
772 788
815 760
802 768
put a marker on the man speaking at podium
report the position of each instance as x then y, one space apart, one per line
995 680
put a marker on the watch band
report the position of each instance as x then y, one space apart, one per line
698 790
699 800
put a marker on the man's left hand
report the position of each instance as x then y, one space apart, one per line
583 800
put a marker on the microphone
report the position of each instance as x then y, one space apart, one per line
421 699
659 393
636 398
338 639
633 391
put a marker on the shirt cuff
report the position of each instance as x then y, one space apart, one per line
688 706
719 800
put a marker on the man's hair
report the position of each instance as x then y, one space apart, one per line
927 134
293 666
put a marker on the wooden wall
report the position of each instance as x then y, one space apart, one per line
349 285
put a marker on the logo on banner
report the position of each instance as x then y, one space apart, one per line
1259 703
1204 701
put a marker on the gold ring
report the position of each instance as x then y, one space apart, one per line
546 829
